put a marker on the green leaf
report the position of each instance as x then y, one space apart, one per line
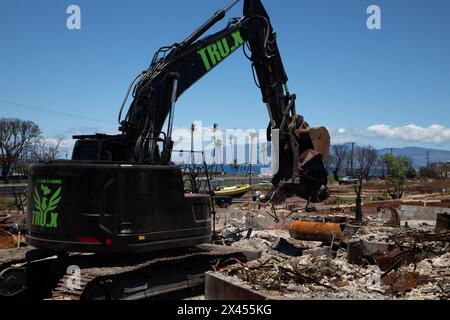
53 206
55 195
54 200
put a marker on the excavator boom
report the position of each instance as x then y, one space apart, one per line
187 62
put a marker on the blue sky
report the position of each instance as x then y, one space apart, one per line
388 87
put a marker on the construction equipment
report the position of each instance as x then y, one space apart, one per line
121 193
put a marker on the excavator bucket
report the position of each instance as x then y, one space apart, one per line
320 139
301 171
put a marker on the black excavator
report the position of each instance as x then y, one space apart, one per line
123 194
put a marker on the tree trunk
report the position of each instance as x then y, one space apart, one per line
336 176
5 171
395 193
359 214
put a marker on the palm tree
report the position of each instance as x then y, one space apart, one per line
215 128
218 144
231 139
252 136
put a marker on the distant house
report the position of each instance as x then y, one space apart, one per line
442 169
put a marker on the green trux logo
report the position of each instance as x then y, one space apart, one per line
217 51
47 196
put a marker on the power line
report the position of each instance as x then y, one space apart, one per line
46 110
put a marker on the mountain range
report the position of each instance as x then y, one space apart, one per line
420 155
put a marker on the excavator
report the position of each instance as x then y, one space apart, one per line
122 194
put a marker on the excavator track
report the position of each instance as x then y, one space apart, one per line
67 290
14 266
121 277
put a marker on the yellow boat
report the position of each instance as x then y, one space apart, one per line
234 191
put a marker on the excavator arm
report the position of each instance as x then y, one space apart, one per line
298 151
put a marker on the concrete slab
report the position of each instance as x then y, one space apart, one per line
218 287
408 212
221 287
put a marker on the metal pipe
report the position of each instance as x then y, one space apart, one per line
272 122
219 15
231 5
173 100
286 89
315 231
288 109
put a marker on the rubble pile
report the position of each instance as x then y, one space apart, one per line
371 261
9 217
12 226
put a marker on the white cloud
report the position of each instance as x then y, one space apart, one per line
342 135
382 135
434 134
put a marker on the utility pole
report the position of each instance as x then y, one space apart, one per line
428 159
192 145
252 136
352 157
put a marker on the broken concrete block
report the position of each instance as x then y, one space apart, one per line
409 212
374 278
443 223
316 252
285 247
221 287
350 230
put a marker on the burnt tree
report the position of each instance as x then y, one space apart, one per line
16 137
366 159
337 159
